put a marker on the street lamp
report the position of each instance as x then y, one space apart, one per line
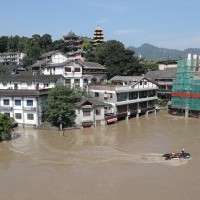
60 122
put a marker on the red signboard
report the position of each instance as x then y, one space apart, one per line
188 95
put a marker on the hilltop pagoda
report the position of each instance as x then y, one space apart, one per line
72 41
73 44
98 36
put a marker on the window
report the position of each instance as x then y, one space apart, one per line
140 82
67 81
98 111
152 93
6 102
96 94
18 115
18 102
110 95
77 69
30 117
86 113
4 84
77 81
122 97
133 95
29 102
143 94
67 69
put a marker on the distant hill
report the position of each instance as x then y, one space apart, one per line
151 52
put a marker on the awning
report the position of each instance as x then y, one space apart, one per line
112 120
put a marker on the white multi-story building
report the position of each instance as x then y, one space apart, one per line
23 96
90 112
12 57
77 74
129 96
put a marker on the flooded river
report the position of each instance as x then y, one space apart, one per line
114 162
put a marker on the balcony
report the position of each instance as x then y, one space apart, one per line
30 108
6 107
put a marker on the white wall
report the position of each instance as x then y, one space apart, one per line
24 109
58 58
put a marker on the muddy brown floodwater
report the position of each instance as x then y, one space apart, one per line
114 162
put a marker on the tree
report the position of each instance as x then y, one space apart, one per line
32 50
118 60
13 43
59 45
5 126
45 42
4 70
60 103
151 66
3 44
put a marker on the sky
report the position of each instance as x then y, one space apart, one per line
172 24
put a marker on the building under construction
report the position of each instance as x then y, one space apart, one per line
186 88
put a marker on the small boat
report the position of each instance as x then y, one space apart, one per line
169 156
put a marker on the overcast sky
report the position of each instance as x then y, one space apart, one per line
171 24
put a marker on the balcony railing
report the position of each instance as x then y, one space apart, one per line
30 108
6 107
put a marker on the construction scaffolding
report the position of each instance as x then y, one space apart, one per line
186 88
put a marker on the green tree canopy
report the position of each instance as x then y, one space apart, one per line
58 45
118 60
151 66
4 70
3 43
60 102
5 126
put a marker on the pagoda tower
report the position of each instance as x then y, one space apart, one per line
74 46
98 36
72 41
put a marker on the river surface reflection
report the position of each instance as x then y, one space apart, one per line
114 162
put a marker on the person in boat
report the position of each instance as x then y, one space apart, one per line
183 151
172 155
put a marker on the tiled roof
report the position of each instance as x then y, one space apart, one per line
48 54
25 93
30 78
92 65
167 73
71 34
126 78
10 53
92 101
40 63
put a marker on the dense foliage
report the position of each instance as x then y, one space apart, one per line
151 66
4 70
112 54
118 60
33 47
5 126
60 103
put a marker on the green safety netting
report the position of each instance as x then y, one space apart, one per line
187 81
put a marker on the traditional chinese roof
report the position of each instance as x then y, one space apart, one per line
70 35
25 93
30 78
92 65
50 53
94 102
126 78
168 73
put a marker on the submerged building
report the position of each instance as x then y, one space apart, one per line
186 88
